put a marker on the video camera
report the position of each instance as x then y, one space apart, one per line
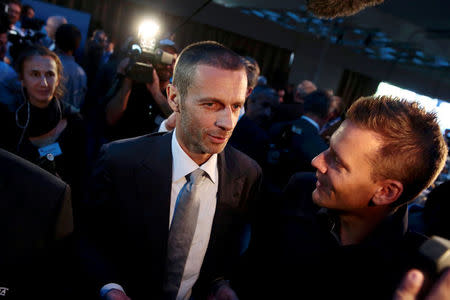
20 42
31 32
144 54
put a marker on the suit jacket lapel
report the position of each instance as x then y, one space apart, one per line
154 183
230 181
227 223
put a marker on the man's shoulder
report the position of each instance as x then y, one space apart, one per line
22 171
304 131
80 71
304 127
239 161
135 148
73 68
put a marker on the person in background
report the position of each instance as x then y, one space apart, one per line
67 39
290 111
53 23
28 12
304 88
140 107
13 24
41 128
9 83
109 50
299 141
281 93
6 71
95 49
14 12
334 118
253 72
250 135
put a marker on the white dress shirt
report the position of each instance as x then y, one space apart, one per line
182 166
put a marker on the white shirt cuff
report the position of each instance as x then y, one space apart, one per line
110 286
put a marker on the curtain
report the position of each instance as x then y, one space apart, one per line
273 61
117 17
353 85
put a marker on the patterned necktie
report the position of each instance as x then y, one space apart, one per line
182 232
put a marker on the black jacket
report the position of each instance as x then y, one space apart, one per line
35 216
128 215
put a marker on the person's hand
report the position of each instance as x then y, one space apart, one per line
153 87
224 292
116 295
121 68
412 282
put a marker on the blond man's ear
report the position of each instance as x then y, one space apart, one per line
388 192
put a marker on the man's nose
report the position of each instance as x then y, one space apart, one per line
225 120
319 163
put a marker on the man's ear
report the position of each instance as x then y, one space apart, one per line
249 92
389 190
173 97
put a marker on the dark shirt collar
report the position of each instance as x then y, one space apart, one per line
391 230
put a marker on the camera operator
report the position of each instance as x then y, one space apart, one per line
19 35
139 108
14 12
9 85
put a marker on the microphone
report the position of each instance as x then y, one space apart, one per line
338 8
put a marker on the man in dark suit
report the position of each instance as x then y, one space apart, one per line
290 111
137 182
299 141
250 135
35 217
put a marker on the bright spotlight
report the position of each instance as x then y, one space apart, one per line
148 30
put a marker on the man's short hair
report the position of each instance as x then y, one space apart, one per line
413 150
264 94
317 103
53 23
304 88
67 37
208 53
253 71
